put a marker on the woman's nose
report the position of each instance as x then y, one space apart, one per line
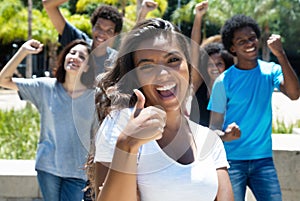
163 71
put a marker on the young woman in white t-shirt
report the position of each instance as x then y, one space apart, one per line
146 149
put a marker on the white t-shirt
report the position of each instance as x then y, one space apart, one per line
159 176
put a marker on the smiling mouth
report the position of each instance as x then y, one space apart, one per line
99 39
71 65
215 72
167 90
250 49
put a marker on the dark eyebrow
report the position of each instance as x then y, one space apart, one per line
172 53
143 60
165 56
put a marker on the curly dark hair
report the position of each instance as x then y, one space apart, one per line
109 13
235 23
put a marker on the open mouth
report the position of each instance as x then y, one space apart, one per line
100 40
215 72
72 65
167 90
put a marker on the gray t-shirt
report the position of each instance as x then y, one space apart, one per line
66 125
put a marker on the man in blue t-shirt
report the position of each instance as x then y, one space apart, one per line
243 94
107 23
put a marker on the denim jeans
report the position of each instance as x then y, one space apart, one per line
259 175
55 188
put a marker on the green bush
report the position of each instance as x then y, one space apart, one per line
19 133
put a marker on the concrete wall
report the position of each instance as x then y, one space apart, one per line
18 178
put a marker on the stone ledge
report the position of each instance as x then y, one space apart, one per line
18 177
18 181
286 142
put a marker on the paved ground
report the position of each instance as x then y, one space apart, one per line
283 108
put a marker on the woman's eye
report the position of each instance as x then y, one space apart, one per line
174 59
82 57
147 67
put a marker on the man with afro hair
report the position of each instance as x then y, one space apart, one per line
243 94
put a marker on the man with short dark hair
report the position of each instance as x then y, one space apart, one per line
107 22
243 94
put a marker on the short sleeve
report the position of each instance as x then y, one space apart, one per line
32 89
218 100
209 144
219 154
108 134
277 75
71 33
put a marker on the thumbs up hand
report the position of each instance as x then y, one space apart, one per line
145 124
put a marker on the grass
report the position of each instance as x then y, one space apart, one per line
19 130
280 127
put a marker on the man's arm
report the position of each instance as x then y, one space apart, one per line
56 17
147 6
290 84
232 132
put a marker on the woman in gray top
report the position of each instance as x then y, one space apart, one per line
66 107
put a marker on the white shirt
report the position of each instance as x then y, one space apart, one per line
159 176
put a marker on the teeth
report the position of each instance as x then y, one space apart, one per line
250 50
100 39
72 65
166 87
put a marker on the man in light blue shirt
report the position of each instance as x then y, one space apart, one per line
243 94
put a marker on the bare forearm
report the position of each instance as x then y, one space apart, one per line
56 17
141 16
196 30
225 188
195 42
7 72
53 3
120 183
291 83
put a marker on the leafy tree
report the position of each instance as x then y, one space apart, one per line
128 8
266 12
36 4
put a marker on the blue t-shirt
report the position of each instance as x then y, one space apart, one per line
245 97
66 126
99 63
